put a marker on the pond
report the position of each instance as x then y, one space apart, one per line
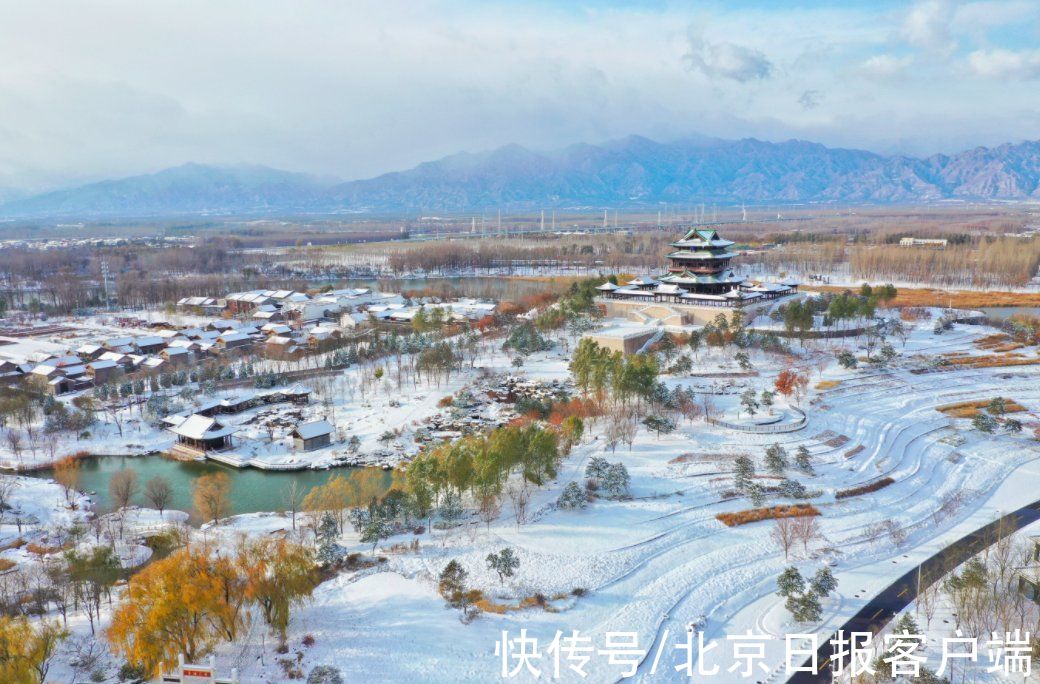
1009 311
252 490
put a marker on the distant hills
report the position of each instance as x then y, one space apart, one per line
633 171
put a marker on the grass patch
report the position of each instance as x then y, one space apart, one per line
752 515
958 299
990 360
863 489
968 409
854 450
827 384
6 564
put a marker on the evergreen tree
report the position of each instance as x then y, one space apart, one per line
908 624
326 535
744 472
504 563
616 481
823 583
790 582
573 497
597 468
756 494
803 460
776 459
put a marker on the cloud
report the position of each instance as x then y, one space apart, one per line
927 27
725 60
886 66
810 99
1005 64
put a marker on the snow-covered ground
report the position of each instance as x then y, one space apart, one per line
650 564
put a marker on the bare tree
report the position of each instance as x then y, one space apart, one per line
159 492
292 497
806 530
783 533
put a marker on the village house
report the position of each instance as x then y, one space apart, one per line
101 371
313 435
233 340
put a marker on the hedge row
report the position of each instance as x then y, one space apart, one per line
864 489
757 514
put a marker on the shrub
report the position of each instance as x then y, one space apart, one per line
572 497
864 489
758 514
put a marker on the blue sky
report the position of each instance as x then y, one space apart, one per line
352 89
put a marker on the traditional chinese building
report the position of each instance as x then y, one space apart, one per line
699 280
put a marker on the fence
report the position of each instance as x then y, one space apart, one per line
771 429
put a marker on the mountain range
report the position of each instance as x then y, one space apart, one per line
633 171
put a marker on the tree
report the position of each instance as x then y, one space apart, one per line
803 460
846 359
67 474
787 382
790 582
823 583
768 398
997 407
743 360
504 563
749 401
792 489
597 468
452 582
983 422
292 497
757 494
805 608
783 533
122 488
1012 425
573 497
26 651
659 425
159 492
616 481
906 623
178 605
278 575
212 496
325 536
744 472
806 530
776 459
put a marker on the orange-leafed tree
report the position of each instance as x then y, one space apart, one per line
67 474
787 382
175 605
278 574
212 496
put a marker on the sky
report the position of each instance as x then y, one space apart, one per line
350 89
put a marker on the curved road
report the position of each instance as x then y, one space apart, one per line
897 596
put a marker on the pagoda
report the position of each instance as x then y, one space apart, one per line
700 264
699 275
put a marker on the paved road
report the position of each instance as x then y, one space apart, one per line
898 595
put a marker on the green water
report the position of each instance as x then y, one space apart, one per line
252 490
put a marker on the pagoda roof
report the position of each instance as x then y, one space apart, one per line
702 237
689 278
702 254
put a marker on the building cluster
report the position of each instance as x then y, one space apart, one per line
275 324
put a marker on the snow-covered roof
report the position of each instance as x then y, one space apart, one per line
313 429
233 337
149 341
201 427
101 364
607 286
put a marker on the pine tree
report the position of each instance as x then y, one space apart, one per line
744 472
504 563
756 494
823 582
776 459
803 460
452 583
326 535
597 468
790 582
908 624
808 608
573 497
616 481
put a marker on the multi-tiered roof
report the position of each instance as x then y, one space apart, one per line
700 263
